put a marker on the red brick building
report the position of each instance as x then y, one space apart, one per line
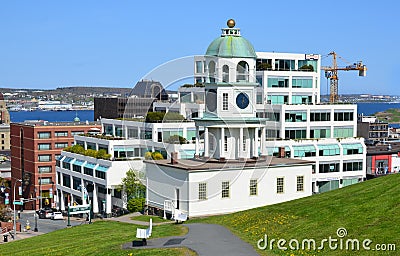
34 148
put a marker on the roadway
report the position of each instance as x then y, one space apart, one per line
47 225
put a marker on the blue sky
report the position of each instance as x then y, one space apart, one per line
48 44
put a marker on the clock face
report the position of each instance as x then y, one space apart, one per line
242 100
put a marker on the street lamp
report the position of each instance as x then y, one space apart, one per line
35 214
15 223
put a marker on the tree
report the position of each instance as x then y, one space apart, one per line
135 191
132 185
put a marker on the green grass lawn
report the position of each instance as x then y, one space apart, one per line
156 219
99 238
368 210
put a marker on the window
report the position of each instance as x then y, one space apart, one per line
244 143
343 132
88 171
73 133
225 74
199 67
329 150
320 133
253 187
117 193
308 65
225 101
44 146
278 99
44 181
279 185
284 65
44 135
225 189
61 134
44 169
328 167
304 151
278 82
44 158
2 135
320 116
296 100
61 145
295 134
76 183
259 98
344 116
352 149
242 72
225 143
302 82
100 175
66 180
66 165
300 183
76 168
300 116
202 191
352 166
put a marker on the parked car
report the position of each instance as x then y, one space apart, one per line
45 213
57 216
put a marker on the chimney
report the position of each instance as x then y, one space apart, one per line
174 157
281 152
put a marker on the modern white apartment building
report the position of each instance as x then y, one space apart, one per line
126 142
288 96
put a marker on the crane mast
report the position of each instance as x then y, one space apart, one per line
332 74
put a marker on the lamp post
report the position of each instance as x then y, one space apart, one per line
36 215
15 223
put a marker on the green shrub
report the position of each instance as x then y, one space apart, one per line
153 156
177 139
136 204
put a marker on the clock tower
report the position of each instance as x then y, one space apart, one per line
231 128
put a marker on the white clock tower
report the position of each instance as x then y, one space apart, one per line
231 128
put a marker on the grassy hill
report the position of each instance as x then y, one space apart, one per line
99 238
368 210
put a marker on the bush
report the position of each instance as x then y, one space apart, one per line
136 204
157 156
153 156
177 139
78 149
153 117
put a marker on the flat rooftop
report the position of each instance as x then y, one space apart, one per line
214 164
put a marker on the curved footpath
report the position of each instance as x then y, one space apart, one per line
204 239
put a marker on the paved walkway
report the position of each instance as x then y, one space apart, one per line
127 218
204 239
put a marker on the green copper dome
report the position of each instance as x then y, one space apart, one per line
231 45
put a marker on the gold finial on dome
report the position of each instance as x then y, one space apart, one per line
231 23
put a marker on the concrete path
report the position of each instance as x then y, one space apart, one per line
204 239
127 218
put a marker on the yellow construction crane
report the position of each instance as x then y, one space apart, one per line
332 74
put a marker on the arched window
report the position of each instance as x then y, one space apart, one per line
242 72
211 71
225 74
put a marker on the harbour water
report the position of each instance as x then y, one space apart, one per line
65 116
52 116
